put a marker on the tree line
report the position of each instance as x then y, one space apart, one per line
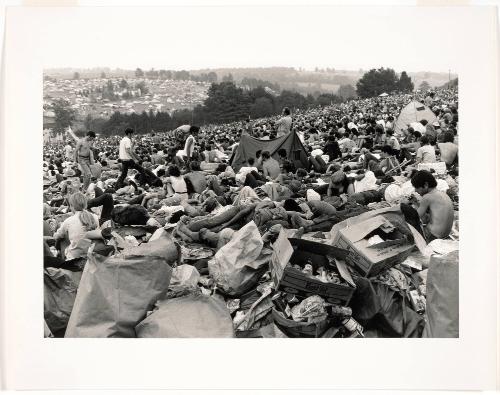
226 102
382 80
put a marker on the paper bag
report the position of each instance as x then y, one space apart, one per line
442 296
116 292
60 287
192 316
239 264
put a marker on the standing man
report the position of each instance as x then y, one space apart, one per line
187 152
69 155
284 123
248 127
128 158
84 157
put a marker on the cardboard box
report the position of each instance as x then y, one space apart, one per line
372 259
288 252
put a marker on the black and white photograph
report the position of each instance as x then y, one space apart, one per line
294 175
254 202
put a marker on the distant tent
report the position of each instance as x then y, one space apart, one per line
417 126
383 95
248 146
413 112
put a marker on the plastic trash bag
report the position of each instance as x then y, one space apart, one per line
442 296
238 265
116 292
60 288
192 316
311 309
384 312
184 276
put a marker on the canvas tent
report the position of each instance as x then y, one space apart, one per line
383 95
249 145
413 112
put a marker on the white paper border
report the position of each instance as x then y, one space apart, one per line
32 362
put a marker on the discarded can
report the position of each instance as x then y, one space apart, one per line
417 301
353 326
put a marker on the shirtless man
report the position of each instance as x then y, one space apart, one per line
435 209
84 157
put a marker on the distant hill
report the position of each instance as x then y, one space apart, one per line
300 80
452 84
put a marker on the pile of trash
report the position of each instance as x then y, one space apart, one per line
372 275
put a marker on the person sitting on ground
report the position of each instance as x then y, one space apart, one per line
340 184
75 228
258 160
385 164
174 191
426 153
346 144
393 142
448 149
157 159
270 166
411 147
286 175
176 186
332 148
435 208
282 156
380 139
196 178
430 131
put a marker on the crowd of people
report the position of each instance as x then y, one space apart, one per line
185 181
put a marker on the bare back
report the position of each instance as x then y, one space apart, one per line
440 210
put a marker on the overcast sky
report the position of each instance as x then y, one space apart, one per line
404 38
